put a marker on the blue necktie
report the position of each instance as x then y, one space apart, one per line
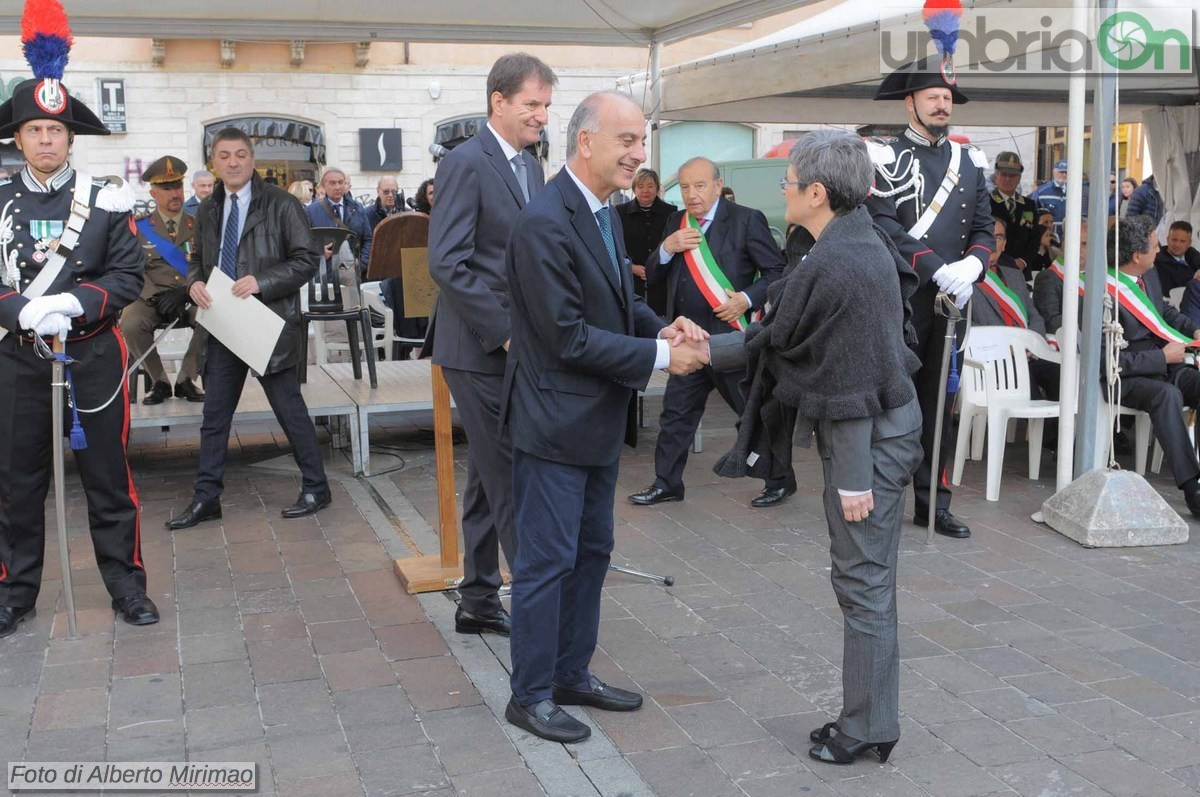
229 244
606 233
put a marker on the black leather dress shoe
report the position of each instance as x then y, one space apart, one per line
656 495
547 720
136 609
469 623
598 695
945 524
307 504
13 616
158 394
1191 494
186 389
771 497
197 511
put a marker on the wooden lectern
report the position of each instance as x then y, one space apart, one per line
399 251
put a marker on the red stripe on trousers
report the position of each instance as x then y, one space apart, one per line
137 521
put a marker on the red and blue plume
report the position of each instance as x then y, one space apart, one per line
942 17
46 38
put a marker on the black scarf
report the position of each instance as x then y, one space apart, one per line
835 345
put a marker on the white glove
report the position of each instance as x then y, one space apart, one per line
53 324
42 306
954 277
961 299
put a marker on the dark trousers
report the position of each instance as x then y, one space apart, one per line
487 518
224 378
683 406
564 517
1164 400
931 337
26 450
863 557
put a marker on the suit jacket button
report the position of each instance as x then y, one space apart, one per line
963 237
20 246
19 227
79 262
964 204
17 195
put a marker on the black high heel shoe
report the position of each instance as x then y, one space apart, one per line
819 735
834 750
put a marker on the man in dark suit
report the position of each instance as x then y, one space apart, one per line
582 342
1154 377
739 245
482 186
338 209
1178 262
644 218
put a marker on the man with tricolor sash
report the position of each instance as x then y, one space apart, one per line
1154 377
716 262
1003 300
1048 285
165 234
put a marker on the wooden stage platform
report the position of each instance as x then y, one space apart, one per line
404 386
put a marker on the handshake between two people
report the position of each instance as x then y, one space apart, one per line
958 279
688 346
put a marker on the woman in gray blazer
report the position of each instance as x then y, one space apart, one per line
830 357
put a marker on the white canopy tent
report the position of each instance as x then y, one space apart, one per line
826 69
588 22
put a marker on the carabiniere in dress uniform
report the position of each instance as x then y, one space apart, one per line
71 262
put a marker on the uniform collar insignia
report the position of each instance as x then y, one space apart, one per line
919 138
57 180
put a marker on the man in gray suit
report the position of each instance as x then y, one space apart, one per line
483 185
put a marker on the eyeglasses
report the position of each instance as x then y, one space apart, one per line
785 182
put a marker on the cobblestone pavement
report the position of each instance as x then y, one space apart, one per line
1031 666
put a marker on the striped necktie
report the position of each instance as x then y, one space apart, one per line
229 244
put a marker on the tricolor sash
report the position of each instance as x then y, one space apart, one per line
1125 290
172 254
1011 309
708 276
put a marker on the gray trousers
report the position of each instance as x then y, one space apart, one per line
487 519
863 556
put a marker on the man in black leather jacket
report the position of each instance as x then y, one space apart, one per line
259 235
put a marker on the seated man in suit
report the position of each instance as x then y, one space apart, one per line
1048 287
738 251
582 342
1178 263
1154 377
1003 301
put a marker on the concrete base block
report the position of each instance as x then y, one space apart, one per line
1112 509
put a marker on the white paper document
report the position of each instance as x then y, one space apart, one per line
246 327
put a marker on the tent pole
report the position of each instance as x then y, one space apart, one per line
656 96
1104 90
1068 342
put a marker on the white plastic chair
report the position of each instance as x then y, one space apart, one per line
1175 296
1189 419
996 385
1141 434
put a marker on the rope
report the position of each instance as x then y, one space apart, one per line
45 353
1114 342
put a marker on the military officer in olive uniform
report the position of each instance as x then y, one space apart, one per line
165 234
1018 212
69 262
931 198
